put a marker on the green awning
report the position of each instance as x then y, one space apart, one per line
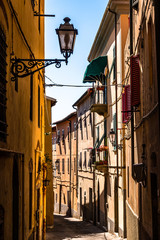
95 70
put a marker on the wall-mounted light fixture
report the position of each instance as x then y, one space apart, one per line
112 138
66 35
46 182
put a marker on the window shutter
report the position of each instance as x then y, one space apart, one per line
135 81
123 107
127 103
115 130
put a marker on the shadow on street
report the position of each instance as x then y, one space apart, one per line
72 228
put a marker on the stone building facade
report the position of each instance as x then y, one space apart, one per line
65 166
84 147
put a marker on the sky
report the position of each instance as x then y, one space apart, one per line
86 16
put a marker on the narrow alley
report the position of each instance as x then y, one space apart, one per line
72 228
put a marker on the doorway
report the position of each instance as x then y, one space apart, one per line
15 204
154 202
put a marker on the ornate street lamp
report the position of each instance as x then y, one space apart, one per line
24 67
67 36
112 136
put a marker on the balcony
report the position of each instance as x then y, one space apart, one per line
101 166
101 109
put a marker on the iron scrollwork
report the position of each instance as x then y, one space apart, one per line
23 67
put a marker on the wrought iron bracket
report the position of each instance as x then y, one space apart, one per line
24 67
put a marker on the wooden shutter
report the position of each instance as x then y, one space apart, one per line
123 107
126 104
135 81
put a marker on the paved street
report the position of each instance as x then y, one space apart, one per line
71 228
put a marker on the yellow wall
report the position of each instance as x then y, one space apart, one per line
24 135
48 153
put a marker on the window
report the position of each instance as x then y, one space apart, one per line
80 160
63 165
114 66
33 4
135 80
30 199
68 132
38 106
63 139
115 130
74 165
3 99
58 136
126 104
57 164
85 121
68 165
75 130
31 97
54 147
90 118
85 160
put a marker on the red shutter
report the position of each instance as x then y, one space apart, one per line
123 107
135 81
127 103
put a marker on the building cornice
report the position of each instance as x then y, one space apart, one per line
106 26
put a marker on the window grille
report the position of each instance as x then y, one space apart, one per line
3 99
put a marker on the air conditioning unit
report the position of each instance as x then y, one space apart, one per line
135 4
139 172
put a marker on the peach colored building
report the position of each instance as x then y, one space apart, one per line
142 131
84 148
65 166
110 188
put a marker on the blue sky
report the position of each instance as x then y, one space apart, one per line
86 16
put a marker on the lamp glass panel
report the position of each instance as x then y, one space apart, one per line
66 40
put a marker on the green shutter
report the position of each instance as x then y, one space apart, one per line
115 130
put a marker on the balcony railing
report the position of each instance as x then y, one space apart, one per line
100 108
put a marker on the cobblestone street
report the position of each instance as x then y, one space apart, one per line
72 228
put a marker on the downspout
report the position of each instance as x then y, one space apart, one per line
117 183
76 152
132 113
157 21
94 177
70 162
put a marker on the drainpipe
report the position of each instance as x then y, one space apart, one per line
76 153
117 183
132 113
70 162
157 21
